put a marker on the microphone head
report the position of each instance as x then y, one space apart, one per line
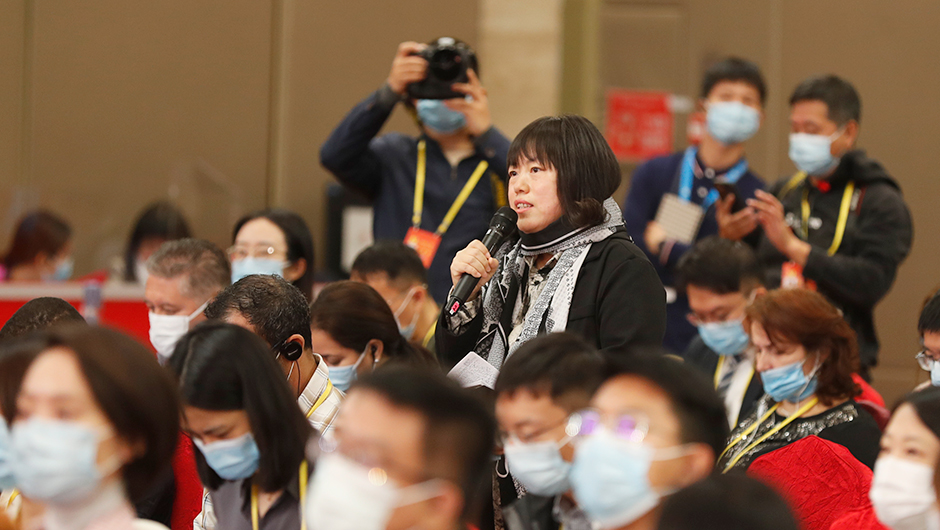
504 220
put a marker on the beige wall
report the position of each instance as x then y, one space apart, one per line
885 49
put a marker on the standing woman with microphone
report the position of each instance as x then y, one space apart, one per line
570 267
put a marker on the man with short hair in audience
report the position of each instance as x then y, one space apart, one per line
719 278
546 380
395 271
412 451
182 276
655 426
39 313
928 325
277 311
840 223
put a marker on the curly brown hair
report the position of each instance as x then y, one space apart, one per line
800 316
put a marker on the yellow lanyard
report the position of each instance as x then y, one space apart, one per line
420 179
303 495
721 364
321 399
430 335
13 495
812 403
844 210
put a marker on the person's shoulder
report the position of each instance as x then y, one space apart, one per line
619 246
659 165
698 354
395 142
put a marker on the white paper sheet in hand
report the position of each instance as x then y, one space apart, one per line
473 371
680 219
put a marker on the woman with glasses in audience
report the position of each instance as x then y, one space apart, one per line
273 241
355 332
250 435
95 427
904 488
805 353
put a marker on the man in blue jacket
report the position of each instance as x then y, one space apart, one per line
732 96
438 191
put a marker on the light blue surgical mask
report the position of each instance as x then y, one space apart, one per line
539 466
435 115
343 377
610 478
233 459
63 271
731 122
724 338
812 153
6 450
55 462
789 383
252 265
409 330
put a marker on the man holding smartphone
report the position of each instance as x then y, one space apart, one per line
732 97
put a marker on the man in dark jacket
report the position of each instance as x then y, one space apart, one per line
719 277
841 224
459 149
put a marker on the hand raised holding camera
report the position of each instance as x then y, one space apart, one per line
477 109
407 67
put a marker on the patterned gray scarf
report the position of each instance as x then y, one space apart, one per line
551 307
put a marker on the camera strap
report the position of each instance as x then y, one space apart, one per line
420 179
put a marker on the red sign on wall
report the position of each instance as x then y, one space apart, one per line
639 124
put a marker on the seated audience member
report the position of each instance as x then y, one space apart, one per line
37 314
355 332
719 277
903 490
412 451
545 381
724 502
395 271
182 277
158 223
655 426
805 353
41 250
732 96
96 424
572 267
274 241
928 325
250 435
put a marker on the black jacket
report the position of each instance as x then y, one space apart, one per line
618 303
877 239
704 358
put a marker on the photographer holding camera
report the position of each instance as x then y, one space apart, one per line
438 191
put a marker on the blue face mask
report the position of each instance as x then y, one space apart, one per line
343 377
812 153
610 478
539 466
63 271
6 449
731 122
724 338
252 265
234 459
789 383
55 461
435 115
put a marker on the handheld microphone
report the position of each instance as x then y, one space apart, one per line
502 225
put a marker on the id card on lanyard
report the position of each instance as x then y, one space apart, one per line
424 242
686 177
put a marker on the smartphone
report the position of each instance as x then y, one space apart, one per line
725 188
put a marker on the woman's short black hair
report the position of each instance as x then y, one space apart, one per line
159 220
588 171
298 238
225 367
131 389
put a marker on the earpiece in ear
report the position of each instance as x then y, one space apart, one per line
290 350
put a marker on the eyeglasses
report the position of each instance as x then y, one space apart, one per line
528 438
238 252
925 360
630 427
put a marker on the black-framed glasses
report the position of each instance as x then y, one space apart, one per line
925 360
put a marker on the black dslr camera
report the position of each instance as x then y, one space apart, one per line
448 61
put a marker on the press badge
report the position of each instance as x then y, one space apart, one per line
425 244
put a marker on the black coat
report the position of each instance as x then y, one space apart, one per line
877 239
618 303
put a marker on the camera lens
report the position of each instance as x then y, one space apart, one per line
446 64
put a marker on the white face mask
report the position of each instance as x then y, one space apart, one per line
345 495
166 331
903 495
